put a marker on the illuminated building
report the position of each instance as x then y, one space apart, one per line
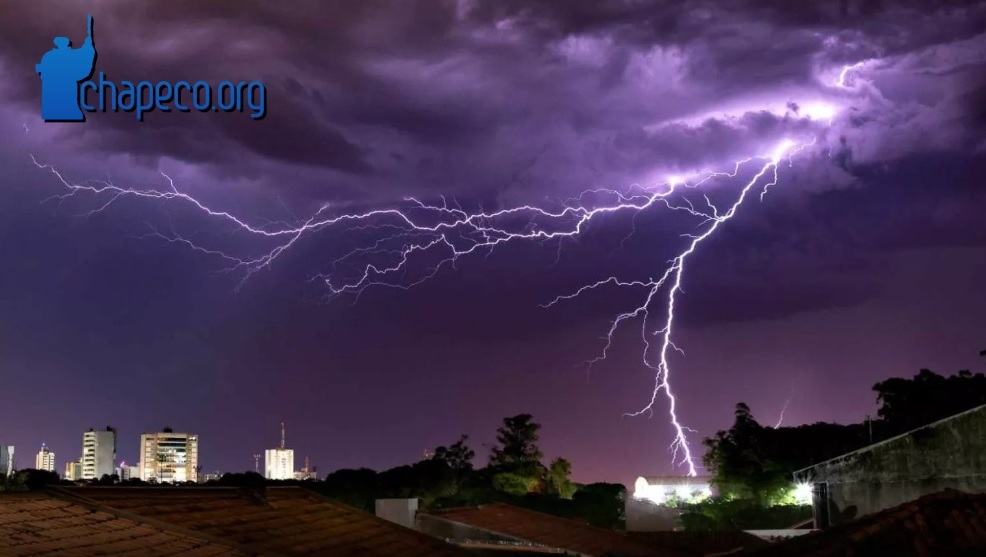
98 453
654 505
169 457
6 460
73 470
125 472
45 460
307 472
662 490
279 463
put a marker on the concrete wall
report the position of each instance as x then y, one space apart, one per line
645 516
949 454
398 511
456 532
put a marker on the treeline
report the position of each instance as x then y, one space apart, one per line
753 464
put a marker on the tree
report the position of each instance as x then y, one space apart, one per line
518 439
29 479
249 480
559 482
906 404
457 456
601 504
740 465
107 479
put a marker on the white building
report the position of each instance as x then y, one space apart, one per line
73 470
661 490
98 453
6 460
125 472
169 457
45 460
279 463
653 506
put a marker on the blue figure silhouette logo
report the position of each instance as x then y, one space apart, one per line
62 69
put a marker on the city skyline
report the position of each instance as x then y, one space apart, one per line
160 272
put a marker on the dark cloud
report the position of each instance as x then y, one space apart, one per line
461 81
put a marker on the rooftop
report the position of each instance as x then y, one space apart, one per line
701 543
34 524
552 531
284 520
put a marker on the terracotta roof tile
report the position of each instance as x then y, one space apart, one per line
38 524
945 523
701 543
552 531
285 520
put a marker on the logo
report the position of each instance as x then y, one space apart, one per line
62 69
66 85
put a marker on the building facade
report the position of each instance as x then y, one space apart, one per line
7 460
73 470
279 464
45 459
125 472
652 506
98 453
169 457
947 454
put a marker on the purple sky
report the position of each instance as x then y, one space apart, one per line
842 276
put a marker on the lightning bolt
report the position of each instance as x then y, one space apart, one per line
846 73
417 230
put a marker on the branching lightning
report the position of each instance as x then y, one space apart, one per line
445 232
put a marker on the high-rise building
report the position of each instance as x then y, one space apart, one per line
73 470
98 453
169 457
45 459
279 463
6 460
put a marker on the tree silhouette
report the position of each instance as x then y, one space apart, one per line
458 456
518 439
906 404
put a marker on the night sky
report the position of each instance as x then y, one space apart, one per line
846 273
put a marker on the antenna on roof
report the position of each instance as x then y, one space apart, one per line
282 436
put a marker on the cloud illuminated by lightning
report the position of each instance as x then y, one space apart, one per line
420 229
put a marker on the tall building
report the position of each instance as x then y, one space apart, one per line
169 457
45 459
73 470
98 453
279 462
6 460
